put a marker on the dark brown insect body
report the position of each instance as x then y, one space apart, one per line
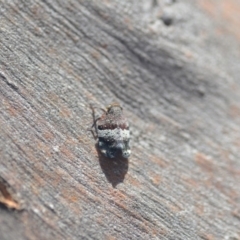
113 132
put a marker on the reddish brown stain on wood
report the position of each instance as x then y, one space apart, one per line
57 177
41 146
174 208
26 218
96 54
159 161
227 191
73 200
14 111
237 142
48 136
156 179
67 152
132 180
118 195
37 183
226 12
236 213
13 108
204 162
189 54
65 112
109 237
190 182
234 111
199 209
207 236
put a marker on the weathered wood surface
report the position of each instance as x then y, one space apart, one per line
173 65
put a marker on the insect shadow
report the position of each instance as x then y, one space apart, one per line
114 169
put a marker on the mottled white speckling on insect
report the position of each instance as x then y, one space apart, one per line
113 133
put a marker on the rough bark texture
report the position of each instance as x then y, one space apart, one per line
173 65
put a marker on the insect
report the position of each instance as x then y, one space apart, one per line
113 133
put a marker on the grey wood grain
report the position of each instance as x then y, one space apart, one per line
173 66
